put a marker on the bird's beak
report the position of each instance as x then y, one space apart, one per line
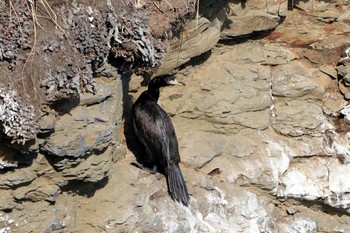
173 82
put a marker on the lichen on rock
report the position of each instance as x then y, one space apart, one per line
68 81
88 28
133 43
15 32
18 118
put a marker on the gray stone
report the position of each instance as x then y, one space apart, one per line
346 80
202 148
317 179
345 17
252 21
346 112
252 16
39 190
240 96
344 89
234 164
344 83
6 223
274 8
240 146
329 70
334 41
6 200
327 16
339 200
333 103
343 71
111 213
220 206
296 80
299 180
47 122
262 53
103 91
303 226
296 118
16 178
338 184
277 55
256 120
92 127
197 37
91 169
314 7
43 216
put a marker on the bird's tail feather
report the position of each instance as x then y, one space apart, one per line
176 184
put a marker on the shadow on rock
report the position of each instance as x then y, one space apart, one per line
85 189
14 155
198 60
64 106
245 38
132 142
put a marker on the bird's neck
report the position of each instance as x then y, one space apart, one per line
154 93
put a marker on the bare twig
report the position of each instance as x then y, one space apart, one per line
32 51
180 47
169 4
52 15
154 3
187 8
49 11
197 14
14 10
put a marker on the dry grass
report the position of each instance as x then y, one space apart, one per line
33 11
169 4
197 14
138 4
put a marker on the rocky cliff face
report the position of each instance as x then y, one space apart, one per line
262 122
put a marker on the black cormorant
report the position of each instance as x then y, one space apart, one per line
153 127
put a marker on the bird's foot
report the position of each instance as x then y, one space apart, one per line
152 170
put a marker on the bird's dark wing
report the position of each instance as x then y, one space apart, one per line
154 127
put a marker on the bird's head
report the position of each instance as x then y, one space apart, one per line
162 81
171 80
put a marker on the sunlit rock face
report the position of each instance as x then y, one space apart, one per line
258 151
262 125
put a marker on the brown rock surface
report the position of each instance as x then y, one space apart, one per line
262 128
